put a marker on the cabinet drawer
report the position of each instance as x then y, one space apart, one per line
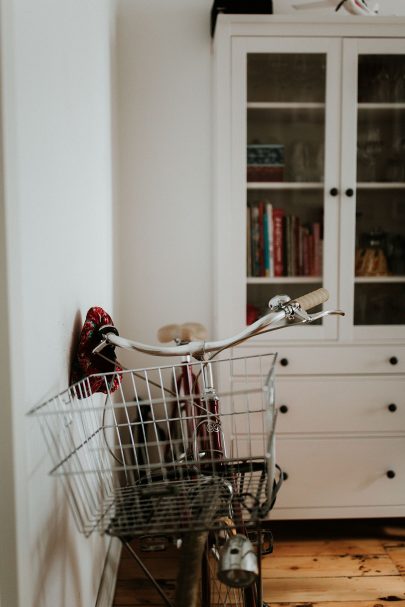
332 359
344 404
341 472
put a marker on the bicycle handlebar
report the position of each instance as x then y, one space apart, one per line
281 308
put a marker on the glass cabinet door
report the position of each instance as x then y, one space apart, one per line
289 114
378 272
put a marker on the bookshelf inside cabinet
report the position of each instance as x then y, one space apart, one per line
285 175
312 126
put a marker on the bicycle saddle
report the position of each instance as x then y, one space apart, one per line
188 331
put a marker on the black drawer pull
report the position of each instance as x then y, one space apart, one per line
393 360
392 407
333 191
283 409
349 192
284 362
390 474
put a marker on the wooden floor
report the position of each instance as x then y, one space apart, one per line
314 564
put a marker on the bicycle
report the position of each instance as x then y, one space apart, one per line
207 476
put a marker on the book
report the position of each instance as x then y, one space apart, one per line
316 230
278 244
265 162
269 212
266 241
261 239
278 241
255 239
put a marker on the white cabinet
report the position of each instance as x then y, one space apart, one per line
310 191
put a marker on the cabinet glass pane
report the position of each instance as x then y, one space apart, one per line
381 79
286 77
380 202
285 171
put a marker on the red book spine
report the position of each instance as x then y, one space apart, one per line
305 252
311 247
278 215
261 239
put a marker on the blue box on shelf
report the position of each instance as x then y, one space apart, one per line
265 154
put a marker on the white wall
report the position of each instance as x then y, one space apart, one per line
163 170
58 224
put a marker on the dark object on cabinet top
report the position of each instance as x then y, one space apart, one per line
237 7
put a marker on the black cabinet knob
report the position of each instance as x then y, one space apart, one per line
333 191
283 409
284 362
390 474
285 475
349 192
392 407
393 360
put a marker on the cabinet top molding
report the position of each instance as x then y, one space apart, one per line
256 25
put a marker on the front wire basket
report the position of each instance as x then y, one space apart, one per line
134 463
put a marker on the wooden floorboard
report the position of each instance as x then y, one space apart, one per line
314 564
397 555
343 565
310 589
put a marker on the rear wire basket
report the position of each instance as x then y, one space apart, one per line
132 463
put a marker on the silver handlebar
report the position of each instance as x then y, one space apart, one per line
282 308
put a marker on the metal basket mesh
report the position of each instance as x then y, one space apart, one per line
135 462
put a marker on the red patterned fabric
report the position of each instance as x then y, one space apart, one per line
87 364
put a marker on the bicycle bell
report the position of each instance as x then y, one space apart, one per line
237 565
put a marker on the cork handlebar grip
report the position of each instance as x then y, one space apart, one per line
313 299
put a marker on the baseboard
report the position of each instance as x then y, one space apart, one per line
106 591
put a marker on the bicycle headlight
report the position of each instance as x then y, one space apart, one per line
237 565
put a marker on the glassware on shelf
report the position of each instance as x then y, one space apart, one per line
370 155
301 162
319 157
371 259
381 85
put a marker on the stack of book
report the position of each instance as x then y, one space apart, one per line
265 162
279 244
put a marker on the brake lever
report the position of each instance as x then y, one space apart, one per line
312 317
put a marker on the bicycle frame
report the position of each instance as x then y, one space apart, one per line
207 436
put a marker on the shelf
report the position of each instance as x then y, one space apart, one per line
381 106
285 185
267 280
284 105
315 185
380 185
379 279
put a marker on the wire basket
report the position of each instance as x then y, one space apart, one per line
151 459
